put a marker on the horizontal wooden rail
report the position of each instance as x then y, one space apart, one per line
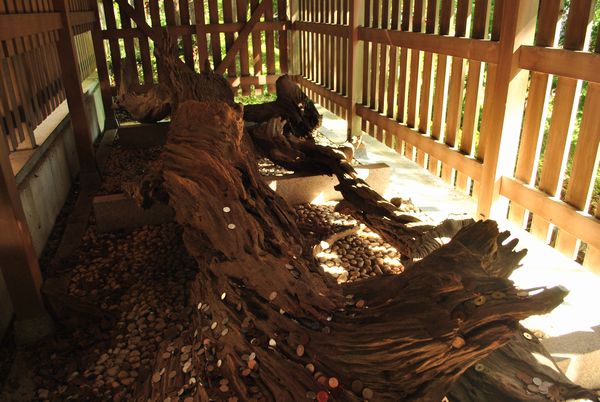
455 159
181 30
82 17
234 81
18 25
580 224
472 49
340 100
565 63
322 28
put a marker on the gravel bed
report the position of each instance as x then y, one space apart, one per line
127 164
141 279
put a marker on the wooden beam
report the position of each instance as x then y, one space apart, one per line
71 79
19 263
336 98
561 62
323 28
580 224
439 150
473 49
505 100
242 36
18 25
82 18
139 19
355 67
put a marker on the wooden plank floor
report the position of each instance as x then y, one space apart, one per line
572 331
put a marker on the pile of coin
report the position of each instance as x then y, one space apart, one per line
352 258
127 165
535 385
141 278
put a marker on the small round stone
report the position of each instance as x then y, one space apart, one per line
231 226
226 209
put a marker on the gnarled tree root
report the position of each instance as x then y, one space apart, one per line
268 315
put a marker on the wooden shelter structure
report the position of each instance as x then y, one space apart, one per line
461 87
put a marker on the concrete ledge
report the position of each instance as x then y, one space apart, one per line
141 135
300 189
118 211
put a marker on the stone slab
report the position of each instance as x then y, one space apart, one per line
141 135
117 211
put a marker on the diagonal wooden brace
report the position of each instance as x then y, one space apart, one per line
242 36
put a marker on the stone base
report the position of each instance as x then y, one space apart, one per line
299 189
142 135
118 211
31 330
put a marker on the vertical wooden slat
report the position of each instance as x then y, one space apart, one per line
115 51
505 96
228 17
403 75
441 86
356 49
184 11
215 38
144 49
242 10
392 71
256 51
201 41
455 87
537 106
566 100
270 43
585 166
129 48
426 87
414 83
473 91
283 37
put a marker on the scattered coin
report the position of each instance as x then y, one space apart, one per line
156 377
226 209
224 332
360 303
497 295
333 382
231 226
367 393
527 335
322 396
300 350
223 296
537 381
273 296
479 367
533 388
479 301
458 342
357 386
310 367
272 342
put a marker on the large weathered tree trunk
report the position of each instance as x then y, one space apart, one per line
272 326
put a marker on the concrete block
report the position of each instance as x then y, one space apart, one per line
117 211
141 135
300 189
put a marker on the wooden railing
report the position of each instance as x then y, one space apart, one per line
250 59
30 68
463 89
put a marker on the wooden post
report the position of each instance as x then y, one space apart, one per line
110 121
355 66
501 121
18 261
71 79
294 40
